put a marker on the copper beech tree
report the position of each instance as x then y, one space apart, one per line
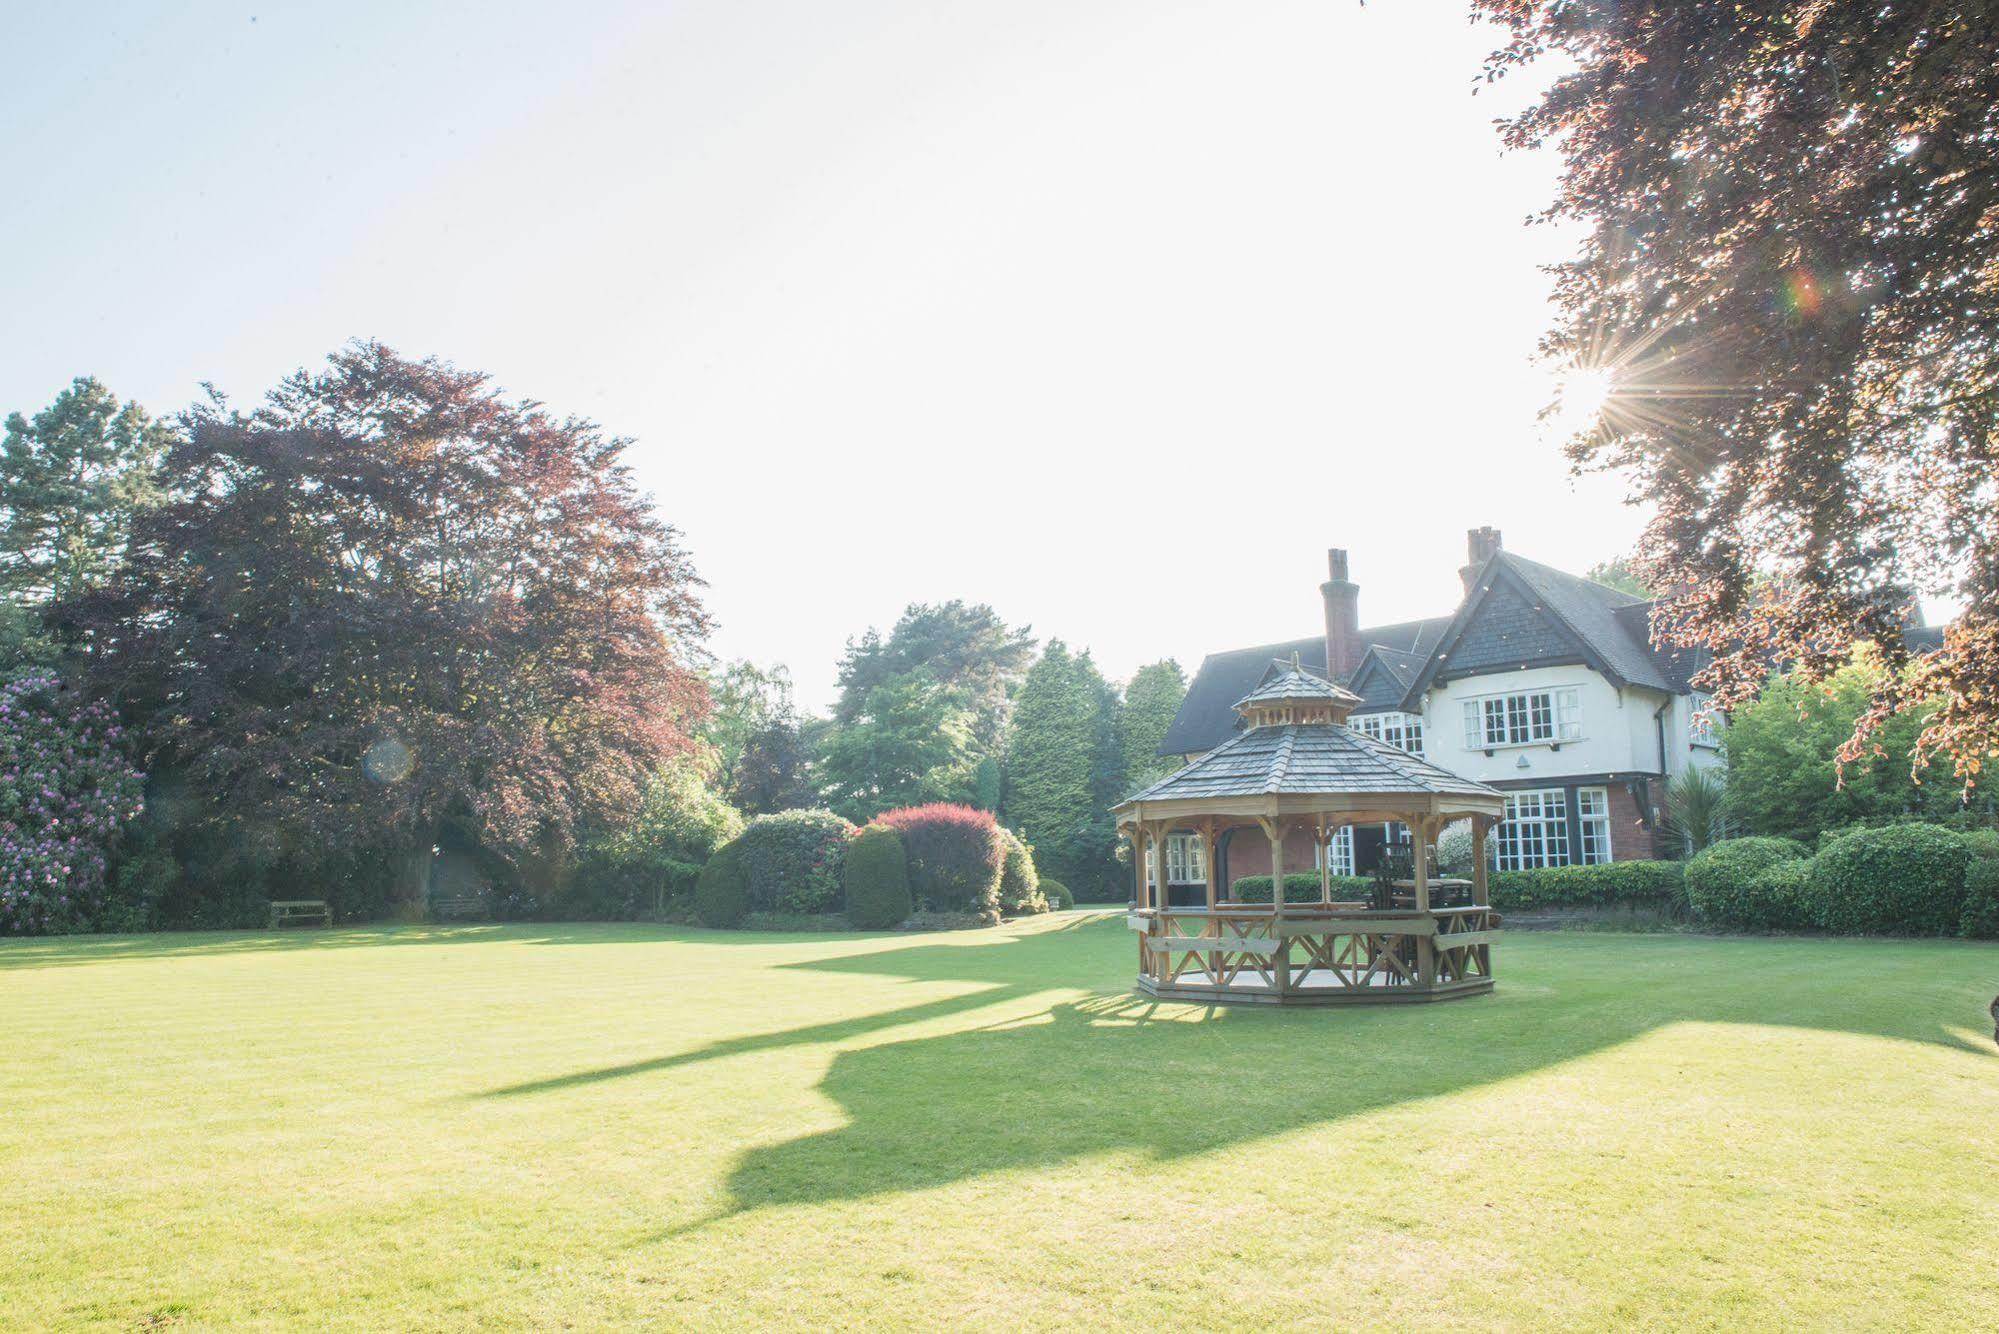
389 600
1789 290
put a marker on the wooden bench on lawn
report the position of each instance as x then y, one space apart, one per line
285 912
458 905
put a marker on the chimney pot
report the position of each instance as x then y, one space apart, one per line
1481 545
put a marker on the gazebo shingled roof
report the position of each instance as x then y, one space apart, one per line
1307 758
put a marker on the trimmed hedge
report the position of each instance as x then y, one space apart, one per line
1057 894
875 874
956 856
1720 878
1904 879
1647 883
1300 887
1779 898
791 861
1020 884
721 897
1980 918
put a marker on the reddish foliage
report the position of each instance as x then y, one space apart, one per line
389 599
1791 270
955 855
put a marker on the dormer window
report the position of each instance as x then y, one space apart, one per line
1397 729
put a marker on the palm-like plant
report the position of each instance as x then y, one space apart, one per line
1697 808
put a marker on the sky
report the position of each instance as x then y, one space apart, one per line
1113 315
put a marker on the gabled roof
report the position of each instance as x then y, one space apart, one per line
1612 627
1308 759
1207 714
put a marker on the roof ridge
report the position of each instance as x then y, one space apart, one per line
1280 759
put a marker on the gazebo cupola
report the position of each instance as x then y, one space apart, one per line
1293 696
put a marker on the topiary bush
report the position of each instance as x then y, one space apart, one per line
1979 919
791 860
1020 884
1906 879
875 874
956 857
1300 887
1057 894
66 794
1649 884
1981 843
721 895
1719 878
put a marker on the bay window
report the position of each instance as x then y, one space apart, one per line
1534 832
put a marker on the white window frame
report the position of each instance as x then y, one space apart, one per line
1341 844
1534 831
1593 816
1402 730
1547 716
1700 723
1186 860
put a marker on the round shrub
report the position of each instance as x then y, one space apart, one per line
955 857
876 876
1779 898
66 793
1980 918
1905 879
791 861
721 897
1057 894
1719 877
1020 884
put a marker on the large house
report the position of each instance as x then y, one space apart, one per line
1542 684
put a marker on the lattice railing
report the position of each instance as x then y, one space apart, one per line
1314 949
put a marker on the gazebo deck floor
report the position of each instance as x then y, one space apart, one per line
1319 986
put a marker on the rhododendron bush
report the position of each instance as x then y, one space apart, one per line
66 791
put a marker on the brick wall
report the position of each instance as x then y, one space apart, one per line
1630 840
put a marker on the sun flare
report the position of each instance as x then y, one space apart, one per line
1581 395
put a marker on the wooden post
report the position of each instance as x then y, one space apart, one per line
1161 898
1280 960
1208 857
1419 859
1480 894
1138 867
1325 862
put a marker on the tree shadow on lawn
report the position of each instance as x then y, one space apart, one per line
1114 1071
1125 1073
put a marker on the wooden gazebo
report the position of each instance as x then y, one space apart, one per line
1296 765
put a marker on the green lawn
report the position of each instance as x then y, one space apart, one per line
538 1125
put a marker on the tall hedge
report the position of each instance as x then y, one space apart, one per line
876 876
1643 883
791 860
1903 879
721 898
1721 878
1980 918
956 855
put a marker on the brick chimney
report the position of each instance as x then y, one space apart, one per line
1481 545
1342 595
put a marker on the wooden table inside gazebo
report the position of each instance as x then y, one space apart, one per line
1296 765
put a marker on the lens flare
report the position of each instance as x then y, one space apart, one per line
1581 394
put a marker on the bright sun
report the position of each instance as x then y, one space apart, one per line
1581 393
